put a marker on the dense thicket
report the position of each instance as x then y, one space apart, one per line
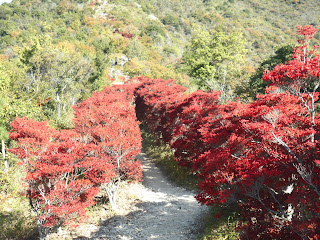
66 169
55 54
262 155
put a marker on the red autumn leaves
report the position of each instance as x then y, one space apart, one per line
264 155
66 168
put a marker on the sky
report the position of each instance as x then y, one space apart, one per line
3 1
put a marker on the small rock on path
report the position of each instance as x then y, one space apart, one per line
163 211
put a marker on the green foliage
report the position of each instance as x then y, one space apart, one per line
136 49
3 133
104 44
13 103
56 53
11 180
261 23
154 29
16 222
216 60
58 66
171 50
171 20
281 55
222 227
4 103
56 75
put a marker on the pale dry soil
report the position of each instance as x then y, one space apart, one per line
159 210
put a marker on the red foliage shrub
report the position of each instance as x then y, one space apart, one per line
62 172
108 121
65 169
263 155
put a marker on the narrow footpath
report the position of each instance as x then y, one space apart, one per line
163 211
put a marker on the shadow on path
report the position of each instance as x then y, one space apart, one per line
162 211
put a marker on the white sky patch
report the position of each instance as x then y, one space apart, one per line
5 1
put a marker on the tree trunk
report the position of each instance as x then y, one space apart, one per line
112 190
43 231
58 106
113 199
3 149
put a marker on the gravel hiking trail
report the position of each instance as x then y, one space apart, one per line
162 211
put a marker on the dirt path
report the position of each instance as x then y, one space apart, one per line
163 211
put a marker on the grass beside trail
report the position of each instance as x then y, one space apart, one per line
222 228
16 219
163 156
214 228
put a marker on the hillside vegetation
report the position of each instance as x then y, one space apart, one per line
55 54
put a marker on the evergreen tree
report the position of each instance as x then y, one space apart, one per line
216 61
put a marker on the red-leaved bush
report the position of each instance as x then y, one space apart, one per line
65 169
60 169
108 121
264 155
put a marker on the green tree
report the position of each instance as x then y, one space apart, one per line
4 106
136 49
216 61
281 55
58 74
12 104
